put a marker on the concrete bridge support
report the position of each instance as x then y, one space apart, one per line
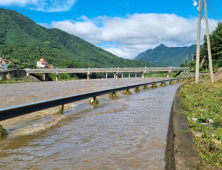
129 75
135 74
106 76
168 74
10 75
116 76
88 76
143 75
122 75
3 76
27 74
57 77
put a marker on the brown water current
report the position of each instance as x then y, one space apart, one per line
126 133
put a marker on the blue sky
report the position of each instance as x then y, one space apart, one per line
123 27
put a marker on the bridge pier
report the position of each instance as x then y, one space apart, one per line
57 77
135 74
27 74
3 76
129 75
88 76
106 76
116 76
143 75
168 74
122 75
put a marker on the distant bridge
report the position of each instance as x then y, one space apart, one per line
116 71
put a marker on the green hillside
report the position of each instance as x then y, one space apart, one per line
166 56
24 41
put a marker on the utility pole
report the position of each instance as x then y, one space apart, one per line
208 44
198 44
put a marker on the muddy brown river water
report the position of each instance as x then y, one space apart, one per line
126 133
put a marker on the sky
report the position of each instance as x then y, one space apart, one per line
123 27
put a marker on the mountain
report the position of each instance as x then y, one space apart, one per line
24 41
167 56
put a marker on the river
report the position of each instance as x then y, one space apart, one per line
126 133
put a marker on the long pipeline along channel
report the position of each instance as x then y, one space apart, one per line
126 133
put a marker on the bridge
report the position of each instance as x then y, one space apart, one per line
116 71
8 74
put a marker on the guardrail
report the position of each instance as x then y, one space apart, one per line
14 111
94 70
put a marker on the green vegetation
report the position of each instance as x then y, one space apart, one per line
113 95
145 87
127 92
24 42
216 47
93 101
203 102
14 80
137 89
163 84
166 56
154 85
3 133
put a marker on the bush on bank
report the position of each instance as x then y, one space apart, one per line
202 104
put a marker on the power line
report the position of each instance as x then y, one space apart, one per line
212 10
217 9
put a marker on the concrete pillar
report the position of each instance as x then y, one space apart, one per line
122 75
143 75
43 76
168 74
3 76
116 75
135 74
57 77
27 74
129 75
106 76
88 76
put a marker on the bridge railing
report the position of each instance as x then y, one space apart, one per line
14 111
118 69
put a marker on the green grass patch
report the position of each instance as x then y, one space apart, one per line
14 80
204 101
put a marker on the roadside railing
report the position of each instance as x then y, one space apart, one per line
14 111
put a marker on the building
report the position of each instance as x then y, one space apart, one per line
42 63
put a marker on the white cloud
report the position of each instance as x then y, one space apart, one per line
41 5
127 37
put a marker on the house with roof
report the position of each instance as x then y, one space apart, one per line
42 63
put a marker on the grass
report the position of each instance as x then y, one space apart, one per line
113 95
137 89
93 101
204 102
3 133
127 92
14 80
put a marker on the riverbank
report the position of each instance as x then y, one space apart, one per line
202 106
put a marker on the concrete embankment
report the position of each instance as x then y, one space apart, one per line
180 149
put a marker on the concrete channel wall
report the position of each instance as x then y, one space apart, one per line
180 150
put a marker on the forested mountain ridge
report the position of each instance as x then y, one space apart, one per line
22 40
167 56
